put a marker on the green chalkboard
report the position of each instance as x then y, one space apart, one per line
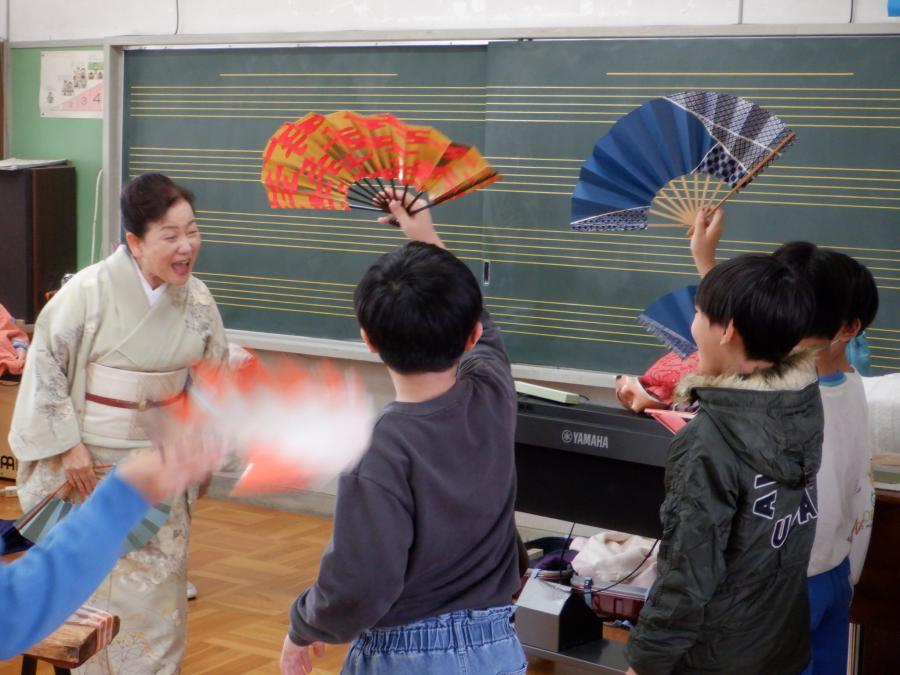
536 109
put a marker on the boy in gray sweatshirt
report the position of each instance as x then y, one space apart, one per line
422 564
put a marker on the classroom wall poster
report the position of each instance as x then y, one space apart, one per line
71 84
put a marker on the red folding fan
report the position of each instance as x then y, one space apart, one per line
345 160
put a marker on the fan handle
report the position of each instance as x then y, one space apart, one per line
759 167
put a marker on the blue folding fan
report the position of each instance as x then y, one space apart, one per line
38 522
675 154
669 318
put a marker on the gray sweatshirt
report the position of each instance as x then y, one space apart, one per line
424 524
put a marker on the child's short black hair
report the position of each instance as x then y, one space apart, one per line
830 282
863 303
770 304
418 306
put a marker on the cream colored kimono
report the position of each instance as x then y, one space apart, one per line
99 334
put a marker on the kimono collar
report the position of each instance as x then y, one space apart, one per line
153 294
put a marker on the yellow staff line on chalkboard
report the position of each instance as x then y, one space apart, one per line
735 74
218 294
281 117
302 109
884 349
233 180
479 258
769 176
744 200
774 167
637 99
150 154
286 309
257 166
353 100
883 330
491 87
565 311
216 285
143 147
461 250
356 235
308 74
575 239
575 235
881 339
490 297
297 281
881 357
765 182
741 199
217 282
503 326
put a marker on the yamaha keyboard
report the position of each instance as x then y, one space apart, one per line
591 464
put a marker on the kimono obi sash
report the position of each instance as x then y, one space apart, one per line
116 400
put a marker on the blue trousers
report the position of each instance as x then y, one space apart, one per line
829 613
471 642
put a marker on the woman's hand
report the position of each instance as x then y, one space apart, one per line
168 470
78 465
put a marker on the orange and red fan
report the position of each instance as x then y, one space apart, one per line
345 160
293 427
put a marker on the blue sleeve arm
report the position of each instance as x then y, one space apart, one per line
44 587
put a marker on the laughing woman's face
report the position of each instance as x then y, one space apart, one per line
168 250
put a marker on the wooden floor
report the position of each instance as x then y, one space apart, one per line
249 564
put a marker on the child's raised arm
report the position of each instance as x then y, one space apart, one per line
418 227
706 232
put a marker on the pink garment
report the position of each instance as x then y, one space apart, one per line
10 359
662 377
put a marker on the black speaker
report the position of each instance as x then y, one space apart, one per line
38 230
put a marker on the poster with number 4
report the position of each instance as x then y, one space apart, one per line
71 84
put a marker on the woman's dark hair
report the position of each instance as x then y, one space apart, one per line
770 303
418 306
146 198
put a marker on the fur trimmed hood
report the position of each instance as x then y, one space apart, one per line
796 371
771 419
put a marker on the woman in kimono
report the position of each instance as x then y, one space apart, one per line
112 346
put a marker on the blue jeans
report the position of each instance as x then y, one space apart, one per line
829 618
468 642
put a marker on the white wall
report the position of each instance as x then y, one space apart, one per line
45 20
4 7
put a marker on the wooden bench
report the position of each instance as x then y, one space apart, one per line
69 646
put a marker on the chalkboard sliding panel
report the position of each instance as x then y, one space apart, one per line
204 117
566 301
572 299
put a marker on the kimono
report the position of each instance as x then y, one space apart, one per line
99 343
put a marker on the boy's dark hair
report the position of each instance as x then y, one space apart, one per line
863 303
418 305
146 198
770 304
830 281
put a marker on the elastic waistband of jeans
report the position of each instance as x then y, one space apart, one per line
454 630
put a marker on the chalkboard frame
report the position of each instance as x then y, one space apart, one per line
115 49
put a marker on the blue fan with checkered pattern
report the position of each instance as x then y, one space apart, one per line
726 137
